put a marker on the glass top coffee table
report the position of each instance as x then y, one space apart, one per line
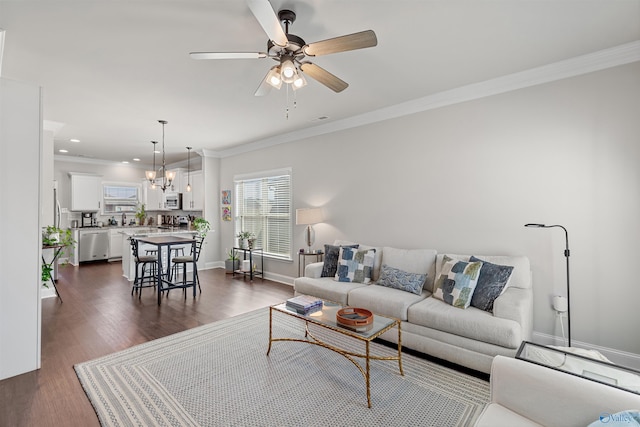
326 318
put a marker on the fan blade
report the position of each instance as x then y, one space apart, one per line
268 19
324 77
342 44
227 55
264 88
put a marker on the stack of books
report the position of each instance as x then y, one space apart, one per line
304 304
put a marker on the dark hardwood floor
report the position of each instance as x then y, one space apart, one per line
98 317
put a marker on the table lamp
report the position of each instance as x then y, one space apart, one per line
308 217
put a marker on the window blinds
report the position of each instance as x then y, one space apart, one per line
263 207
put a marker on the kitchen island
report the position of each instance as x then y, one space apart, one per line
128 263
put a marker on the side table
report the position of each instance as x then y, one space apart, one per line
570 361
302 260
253 270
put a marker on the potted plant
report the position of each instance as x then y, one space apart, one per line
243 238
54 236
232 263
141 214
202 226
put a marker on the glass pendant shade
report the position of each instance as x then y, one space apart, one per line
273 77
288 70
299 82
151 175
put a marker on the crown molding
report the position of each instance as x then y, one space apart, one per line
607 58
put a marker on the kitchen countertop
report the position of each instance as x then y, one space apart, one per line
155 231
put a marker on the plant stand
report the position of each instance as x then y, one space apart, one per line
252 255
57 251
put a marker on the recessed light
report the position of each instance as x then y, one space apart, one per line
157 152
63 151
319 119
74 140
125 162
136 159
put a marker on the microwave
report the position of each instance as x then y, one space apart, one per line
173 200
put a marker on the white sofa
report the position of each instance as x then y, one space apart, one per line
526 394
469 337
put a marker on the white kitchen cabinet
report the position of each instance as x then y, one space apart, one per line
153 197
86 192
115 243
194 199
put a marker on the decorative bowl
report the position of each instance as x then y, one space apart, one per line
353 316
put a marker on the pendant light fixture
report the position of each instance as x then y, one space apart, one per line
167 176
151 175
189 168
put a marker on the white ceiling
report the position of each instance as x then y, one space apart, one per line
111 69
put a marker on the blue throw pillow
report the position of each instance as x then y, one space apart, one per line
402 280
330 265
491 284
355 265
457 281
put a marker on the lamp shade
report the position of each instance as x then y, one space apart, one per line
308 216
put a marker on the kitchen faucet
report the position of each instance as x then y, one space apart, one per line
124 219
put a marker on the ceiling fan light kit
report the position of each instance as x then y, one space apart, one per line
290 51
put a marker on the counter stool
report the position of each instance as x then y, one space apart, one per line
149 269
182 261
173 250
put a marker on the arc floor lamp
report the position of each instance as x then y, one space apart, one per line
566 255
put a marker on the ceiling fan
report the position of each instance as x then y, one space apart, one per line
291 52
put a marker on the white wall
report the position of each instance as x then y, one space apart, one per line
211 254
467 177
20 163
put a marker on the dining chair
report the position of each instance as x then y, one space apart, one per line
182 261
148 273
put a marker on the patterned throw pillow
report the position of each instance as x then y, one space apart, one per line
330 265
492 282
355 265
457 281
402 280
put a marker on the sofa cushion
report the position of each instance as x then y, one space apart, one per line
420 261
471 323
331 253
457 281
401 280
384 301
326 288
491 284
355 265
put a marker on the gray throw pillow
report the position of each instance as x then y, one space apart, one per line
492 281
402 280
331 253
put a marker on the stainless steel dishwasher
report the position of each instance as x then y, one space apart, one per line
93 245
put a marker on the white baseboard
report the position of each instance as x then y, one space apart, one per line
618 357
279 278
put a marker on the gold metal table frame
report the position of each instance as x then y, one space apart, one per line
326 319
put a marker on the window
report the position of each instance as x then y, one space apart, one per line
118 198
263 207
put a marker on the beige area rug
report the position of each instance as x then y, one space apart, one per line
219 375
